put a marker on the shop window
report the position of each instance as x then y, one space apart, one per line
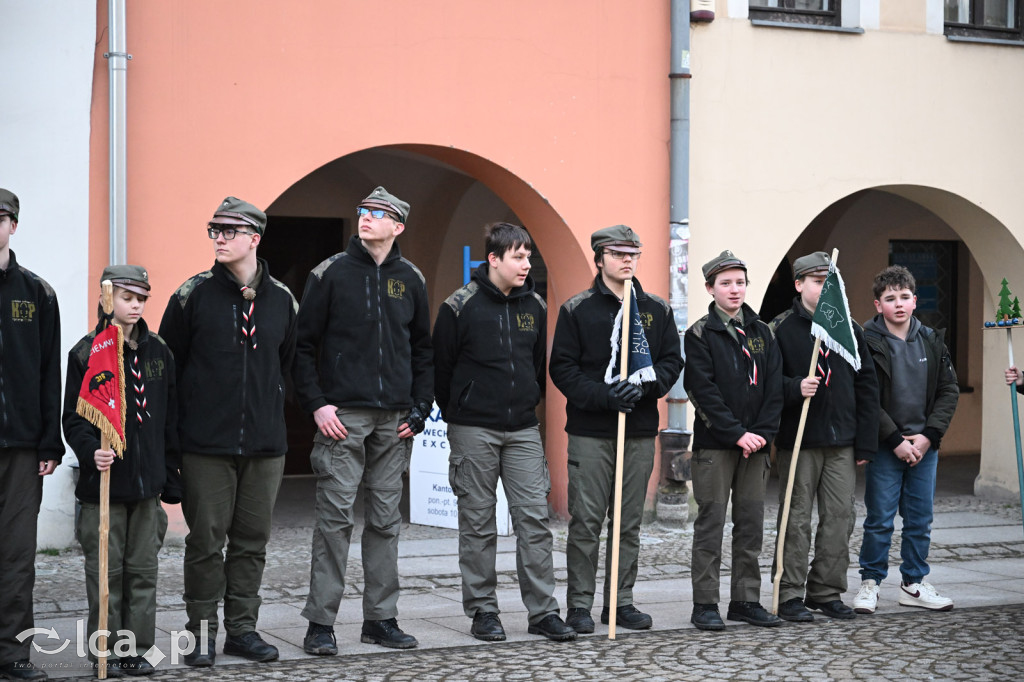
984 19
813 12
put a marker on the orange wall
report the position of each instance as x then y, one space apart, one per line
247 97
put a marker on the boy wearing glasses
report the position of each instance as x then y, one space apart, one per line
364 369
232 330
580 356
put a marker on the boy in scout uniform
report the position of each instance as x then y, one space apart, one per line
734 381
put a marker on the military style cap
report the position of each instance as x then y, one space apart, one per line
381 198
814 263
620 237
9 203
243 210
724 261
131 277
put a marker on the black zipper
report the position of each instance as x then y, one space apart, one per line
245 372
511 361
380 342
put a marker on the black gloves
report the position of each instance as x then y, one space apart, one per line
622 396
417 417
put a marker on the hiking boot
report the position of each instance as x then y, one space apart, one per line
866 600
250 646
628 617
113 669
386 633
136 666
320 640
580 621
922 594
487 627
794 611
197 659
833 609
552 627
22 670
752 612
706 617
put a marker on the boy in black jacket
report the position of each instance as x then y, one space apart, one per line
734 381
30 444
489 359
840 432
147 473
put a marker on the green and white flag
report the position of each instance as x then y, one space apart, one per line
832 322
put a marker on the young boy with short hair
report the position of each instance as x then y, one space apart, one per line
734 380
147 474
918 393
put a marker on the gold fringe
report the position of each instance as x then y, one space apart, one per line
97 418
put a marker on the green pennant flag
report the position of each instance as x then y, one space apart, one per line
832 322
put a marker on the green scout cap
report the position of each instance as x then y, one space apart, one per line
130 277
724 261
619 237
243 210
813 263
9 203
381 198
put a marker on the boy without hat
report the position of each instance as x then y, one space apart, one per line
365 371
918 392
30 443
490 347
734 381
580 356
840 432
147 474
232 332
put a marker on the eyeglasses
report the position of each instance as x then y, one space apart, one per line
619 255
377 213
228 232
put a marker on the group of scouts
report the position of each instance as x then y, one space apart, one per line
205 428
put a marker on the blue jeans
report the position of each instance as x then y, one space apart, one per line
892 485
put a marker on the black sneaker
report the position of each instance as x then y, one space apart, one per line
706 617
628 617
833 609
386 633
487 627
794 611
552 627
250 646
320 640
136 666
197 659
752 612
22 670
580 621
113 670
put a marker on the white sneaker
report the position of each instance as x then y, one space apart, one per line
924 595
866 600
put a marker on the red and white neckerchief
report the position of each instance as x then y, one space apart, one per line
825 373
751 365
248 323
139 385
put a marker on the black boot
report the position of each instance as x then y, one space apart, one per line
386 633
250 646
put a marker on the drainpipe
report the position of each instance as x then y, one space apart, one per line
117 58
672 504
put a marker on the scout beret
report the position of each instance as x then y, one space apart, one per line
381 198
131 277
724 261
816 262
9 203
621 237
243 210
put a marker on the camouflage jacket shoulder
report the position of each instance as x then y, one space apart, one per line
320 269
460 297
697 328
186 289
575 302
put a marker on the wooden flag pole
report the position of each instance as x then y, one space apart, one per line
784 523
107 301
620 448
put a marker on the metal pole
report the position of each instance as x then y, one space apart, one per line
117 59
1016 420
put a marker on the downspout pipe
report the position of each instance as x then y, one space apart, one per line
117 59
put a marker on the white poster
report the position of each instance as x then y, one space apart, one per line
431 500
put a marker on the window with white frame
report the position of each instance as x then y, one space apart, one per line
819 12
994 19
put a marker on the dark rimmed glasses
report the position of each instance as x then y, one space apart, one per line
215 230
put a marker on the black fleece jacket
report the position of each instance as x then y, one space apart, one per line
29 363
845 412
151 458
717 381
582 348
231 394
364 333
490 352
